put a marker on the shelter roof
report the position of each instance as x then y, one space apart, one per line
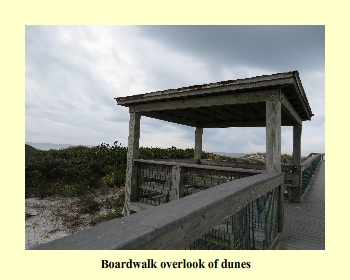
231 103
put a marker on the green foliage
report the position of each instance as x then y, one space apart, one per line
68 171
72 170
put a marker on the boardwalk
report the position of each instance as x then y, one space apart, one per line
304 223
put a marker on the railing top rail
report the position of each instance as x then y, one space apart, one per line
247 165
173 225
305 164
198 166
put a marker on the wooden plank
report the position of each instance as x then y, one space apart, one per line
178 183
172 225
198 142
229 99
259 123
212 211
242 85
289 109
204 167
273 136
210 113
131 189
305 164
281 208
170 118
228 110
233 164
296 192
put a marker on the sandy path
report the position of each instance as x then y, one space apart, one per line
55 217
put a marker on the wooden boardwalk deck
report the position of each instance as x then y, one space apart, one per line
304 223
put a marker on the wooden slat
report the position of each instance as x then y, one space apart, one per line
273 136
241 98
289 109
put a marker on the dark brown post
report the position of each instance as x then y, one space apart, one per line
131 190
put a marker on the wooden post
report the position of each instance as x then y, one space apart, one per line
131 190
296 160
273 136
273 150
198 142
177 186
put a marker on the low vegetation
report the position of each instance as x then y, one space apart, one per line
78 170
92 179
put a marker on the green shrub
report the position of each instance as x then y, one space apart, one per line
73 170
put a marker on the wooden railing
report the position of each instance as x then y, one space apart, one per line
296 180
160 181
181 223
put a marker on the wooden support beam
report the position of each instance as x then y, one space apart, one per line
178 183
273 136
289 109
198 142
243 113
260 123
170 118
296 191
296 158
208 116
229 111
249 113
211 113
273 151
229 99
131 190
256 107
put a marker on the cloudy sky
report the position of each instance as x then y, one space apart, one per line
73 74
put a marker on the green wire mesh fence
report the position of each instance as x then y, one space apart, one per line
254 227
309 172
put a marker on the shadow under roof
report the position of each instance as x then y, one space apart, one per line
233 103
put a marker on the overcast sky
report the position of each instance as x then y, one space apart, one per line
73 74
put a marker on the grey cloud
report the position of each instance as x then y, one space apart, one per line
72 83
279 47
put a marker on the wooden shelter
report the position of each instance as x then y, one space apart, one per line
269 101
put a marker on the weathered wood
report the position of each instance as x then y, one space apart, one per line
257 123
198 142
305 164
245 165
169 118
276 241
203 167
296 157
296 192
189 161
289 109
273 150
215 89
273 136
229 99
281 209
211 211
131 190
172 225
178 183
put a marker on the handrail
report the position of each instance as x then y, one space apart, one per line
305 164
173 225
197 166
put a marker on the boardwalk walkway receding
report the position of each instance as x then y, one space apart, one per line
304 223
